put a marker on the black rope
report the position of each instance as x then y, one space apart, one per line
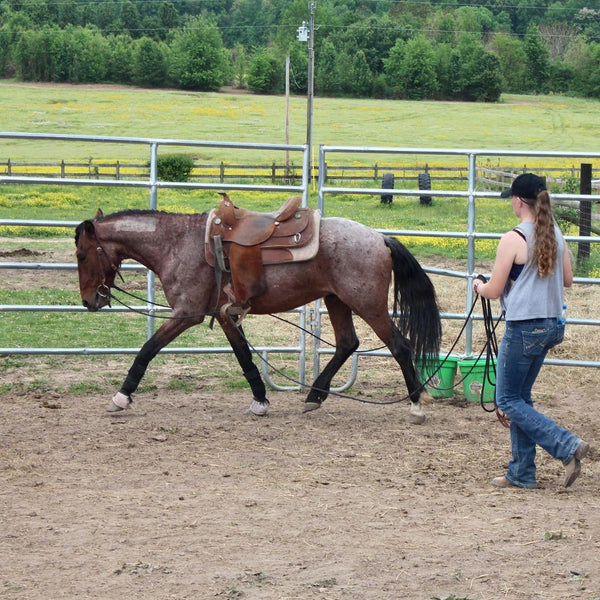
148 313
312 387
490 344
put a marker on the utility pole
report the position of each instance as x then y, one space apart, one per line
287 116
307 33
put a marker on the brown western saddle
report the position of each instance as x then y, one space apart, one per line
241 242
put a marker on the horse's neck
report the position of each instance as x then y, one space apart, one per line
145 238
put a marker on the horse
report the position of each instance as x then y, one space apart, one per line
351 270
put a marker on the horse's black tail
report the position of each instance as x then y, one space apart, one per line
416 311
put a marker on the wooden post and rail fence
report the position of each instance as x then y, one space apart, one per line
488 178
576 179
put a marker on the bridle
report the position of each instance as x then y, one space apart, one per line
103 289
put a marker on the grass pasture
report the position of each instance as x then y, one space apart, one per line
515 123
538 123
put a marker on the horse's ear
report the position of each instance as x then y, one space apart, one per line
99 213
88 227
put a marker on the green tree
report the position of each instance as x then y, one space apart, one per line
475 74
442 27
69 13
120 62
266 72
538 60
298 68
199 60
130 19
327 79
239 58
37 11
488 84
589 78
149 63
513 62
104 15
168 18
361 76
417 69
88 51
393 69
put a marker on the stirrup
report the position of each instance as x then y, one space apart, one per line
234 311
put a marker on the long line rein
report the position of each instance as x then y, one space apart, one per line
490 346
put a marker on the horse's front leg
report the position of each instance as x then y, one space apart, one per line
165 334
235 336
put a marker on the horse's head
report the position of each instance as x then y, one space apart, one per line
95 267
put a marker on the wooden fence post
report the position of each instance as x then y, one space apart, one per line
585 211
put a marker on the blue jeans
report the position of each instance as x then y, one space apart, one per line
522 351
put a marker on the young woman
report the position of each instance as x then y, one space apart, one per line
531 270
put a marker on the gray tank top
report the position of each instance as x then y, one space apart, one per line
532 296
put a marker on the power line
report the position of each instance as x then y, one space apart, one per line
427 3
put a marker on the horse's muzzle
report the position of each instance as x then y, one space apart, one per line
91 307
99 300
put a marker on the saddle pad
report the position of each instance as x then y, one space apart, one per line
289 242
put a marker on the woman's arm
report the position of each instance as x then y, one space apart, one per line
510 246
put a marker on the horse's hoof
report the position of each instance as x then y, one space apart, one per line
259 409
118 403
308 406
416 416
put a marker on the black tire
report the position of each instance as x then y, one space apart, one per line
425 184
387 183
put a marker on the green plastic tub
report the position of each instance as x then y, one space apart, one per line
438 375
472 372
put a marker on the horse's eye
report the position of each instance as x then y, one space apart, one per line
80 257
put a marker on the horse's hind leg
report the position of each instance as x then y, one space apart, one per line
401 350
346 342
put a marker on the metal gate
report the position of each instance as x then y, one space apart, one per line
471 193
153 185
310 318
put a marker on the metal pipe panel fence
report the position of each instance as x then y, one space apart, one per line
310 318
153 185
473 190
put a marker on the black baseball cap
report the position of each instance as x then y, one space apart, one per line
526 185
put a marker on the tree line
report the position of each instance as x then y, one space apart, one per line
414 49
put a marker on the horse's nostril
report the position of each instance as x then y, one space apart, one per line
86 304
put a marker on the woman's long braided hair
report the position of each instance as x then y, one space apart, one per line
546 247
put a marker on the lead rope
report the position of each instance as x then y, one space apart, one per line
490 346
491 355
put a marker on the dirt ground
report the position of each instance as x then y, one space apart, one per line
184 496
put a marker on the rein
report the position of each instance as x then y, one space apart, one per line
148 313
490 347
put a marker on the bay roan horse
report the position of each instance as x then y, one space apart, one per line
352 270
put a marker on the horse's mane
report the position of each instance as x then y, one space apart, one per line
132 212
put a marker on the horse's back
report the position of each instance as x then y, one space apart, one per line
352 262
